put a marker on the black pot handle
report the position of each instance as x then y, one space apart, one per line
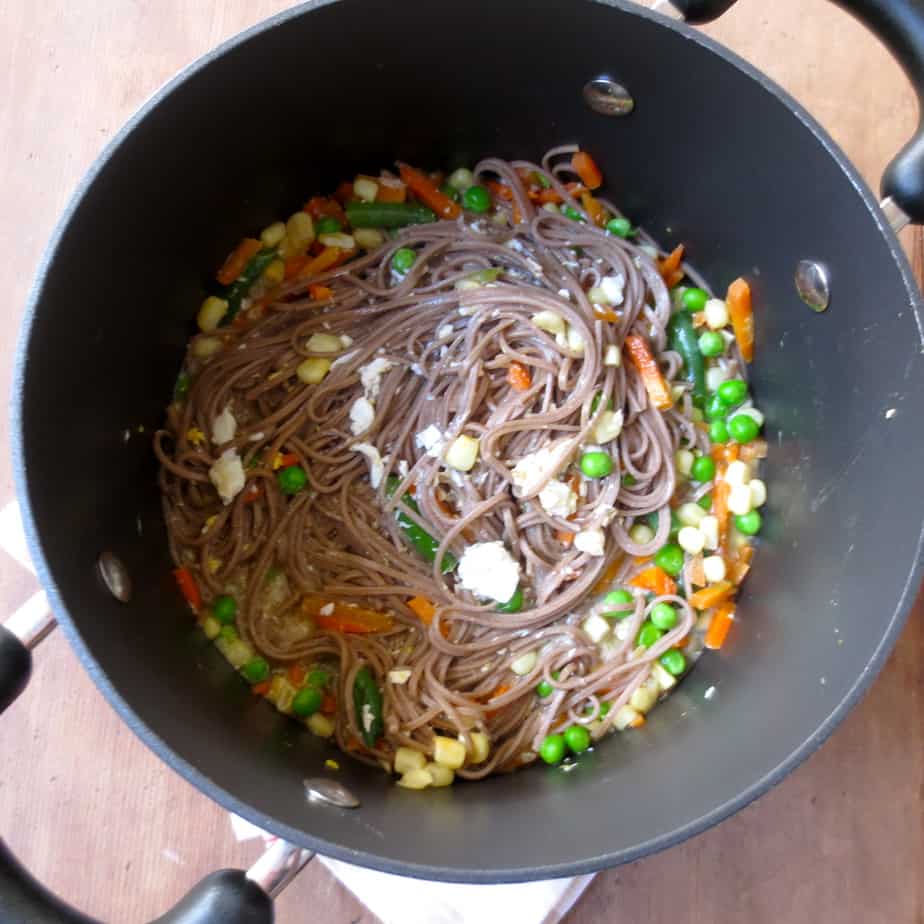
899 24
228 896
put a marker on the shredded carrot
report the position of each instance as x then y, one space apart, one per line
428 192
720 626
542 196
723 453
499 190
739 568
321 207
670 266
423 609
237 260
327 259
583 165
356 620
640 560
296 674
252 492
609 575
742 317
682 643
499 691
320 292
391 190
638 721
656 580
188 587
344 192
575 189
328 705
261 688
594 208
294 265
751 452
284 460
518 377
606 314
720 493
564 537
712 595
659 392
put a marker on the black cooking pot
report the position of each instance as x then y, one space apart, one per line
713 155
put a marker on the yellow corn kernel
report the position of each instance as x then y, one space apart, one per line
324 343
321 725
312 371
272 235
626 717
407 759
211 627
463 453
212 310
214 564
440 776
195 436
204 347
365 188
331 764
275 272
447 752
645 697
415 779
368 238
481 747
300 231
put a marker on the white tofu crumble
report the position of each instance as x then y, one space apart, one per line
557 499
376 465
534 469
227 474
224 427
596 627
431 441
399 676
590 541
371 376
487 569
362 413
614 288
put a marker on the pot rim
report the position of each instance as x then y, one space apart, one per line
379 861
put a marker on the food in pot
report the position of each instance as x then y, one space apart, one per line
460 470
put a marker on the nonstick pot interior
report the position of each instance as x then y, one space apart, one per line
712 156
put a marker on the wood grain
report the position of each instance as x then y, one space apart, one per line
101 821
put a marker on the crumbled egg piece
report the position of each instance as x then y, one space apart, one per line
227 474
431 441
371 376
550 322
596 627
536 467
376 465
224 427
399 676
362 413
487 569
558 499
608 427
590 541
613 288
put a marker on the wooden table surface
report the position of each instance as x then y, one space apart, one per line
100 820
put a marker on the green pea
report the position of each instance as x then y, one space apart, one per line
307 701
569 211
622 603
743 428
317 678
552 750
664 616
329 225
703 468
732 392
705 502
256 670
748 523
228 634
577 738
181 388
604 710
596 403
403 259
695 299
514 604
621 227
224 608
715 408
711 344
476 199
629 480
292 479
673 662
596 464
718 431
648 635
544 689
450 191
670 559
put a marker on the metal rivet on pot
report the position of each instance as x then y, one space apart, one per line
330 792
813 284
115 576
609 98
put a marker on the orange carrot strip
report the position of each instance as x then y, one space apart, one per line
237 260
423 609
320 292
428 193
542 196
742 317
320 207
518 377
605 314
594 208
670 267
640 353
720 493
656 580
357 620
720 626
751 452
188 587
712 595
499 190
575 189
564 537
391 190
261 688
296 674
328 705
294 266
327 259
285 459
609 575
252 492
583 165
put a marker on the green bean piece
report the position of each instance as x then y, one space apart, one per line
367 701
